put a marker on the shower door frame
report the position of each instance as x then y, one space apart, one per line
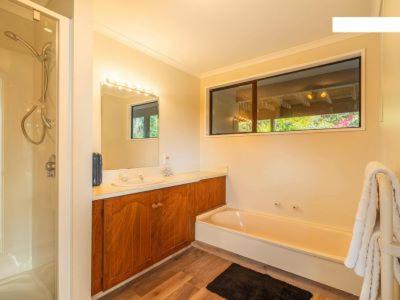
64 149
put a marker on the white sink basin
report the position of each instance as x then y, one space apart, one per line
137 182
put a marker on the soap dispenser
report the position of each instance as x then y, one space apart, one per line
166 169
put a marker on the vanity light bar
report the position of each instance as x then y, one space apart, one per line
126 87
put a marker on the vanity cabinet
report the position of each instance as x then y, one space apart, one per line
132 232
171 218
127 234
97 246
209 194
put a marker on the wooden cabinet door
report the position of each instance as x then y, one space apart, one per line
210 193
171 221
127 236
97 246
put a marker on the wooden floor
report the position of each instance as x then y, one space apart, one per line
186 276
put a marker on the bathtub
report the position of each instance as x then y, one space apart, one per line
11 265
305 249
24 286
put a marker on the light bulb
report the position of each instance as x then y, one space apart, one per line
323 94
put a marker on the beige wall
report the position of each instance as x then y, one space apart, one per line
390 58
178 98
321 173
63 7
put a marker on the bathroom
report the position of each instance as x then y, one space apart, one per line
166 151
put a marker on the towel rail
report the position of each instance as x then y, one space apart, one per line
390 248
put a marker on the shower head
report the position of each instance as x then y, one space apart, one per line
17 38
11 35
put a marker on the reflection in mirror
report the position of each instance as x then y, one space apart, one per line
144 120
129 128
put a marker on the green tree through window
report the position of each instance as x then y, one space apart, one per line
138 128
154 126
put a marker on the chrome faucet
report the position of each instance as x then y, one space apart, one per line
141 177
123 177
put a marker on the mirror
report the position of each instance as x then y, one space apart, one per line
129 128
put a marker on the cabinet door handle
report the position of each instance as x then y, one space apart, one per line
159 204
154 205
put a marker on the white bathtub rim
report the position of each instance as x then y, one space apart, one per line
275 216
334 258
307 251
318 269
211 212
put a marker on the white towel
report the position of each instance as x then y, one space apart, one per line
371 281
364 252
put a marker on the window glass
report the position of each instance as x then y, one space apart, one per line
138 127
154 126
144 121
232 110
264 125
323 97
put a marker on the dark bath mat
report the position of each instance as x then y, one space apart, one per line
239 283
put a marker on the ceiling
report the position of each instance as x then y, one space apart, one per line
200 36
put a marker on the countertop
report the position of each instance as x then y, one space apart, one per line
108 190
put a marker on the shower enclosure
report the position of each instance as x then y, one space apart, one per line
33 186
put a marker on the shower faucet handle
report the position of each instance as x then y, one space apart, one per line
51 166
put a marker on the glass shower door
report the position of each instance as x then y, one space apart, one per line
28 144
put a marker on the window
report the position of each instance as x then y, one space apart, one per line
232 110
144 121
323 97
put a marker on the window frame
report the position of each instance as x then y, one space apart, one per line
131 108
360 55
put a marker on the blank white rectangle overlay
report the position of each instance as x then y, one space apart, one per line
366 24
